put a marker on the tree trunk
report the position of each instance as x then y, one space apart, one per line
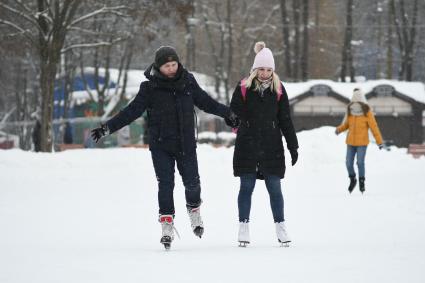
286 43
411 45
304 61
406 34
347 56
389 44
296 8
229 51
378 74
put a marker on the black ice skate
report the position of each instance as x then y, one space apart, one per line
361 184
353 183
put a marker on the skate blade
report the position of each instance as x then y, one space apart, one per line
243 244
284 244
167 246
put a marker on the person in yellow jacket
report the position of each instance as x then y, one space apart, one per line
358 120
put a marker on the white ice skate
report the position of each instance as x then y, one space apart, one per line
167 225
243 235
282 234
196 221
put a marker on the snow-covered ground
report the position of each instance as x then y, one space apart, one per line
91 216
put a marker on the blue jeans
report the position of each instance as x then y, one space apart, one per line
245 194
164 163
349 160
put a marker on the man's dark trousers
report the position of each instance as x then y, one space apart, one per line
187 164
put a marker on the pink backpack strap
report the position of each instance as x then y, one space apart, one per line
243 89
279 92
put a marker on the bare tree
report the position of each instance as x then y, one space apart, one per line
296 60
406 34
389 44
46 25
347 50
304 57
286 36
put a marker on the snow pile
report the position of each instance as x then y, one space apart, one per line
91 216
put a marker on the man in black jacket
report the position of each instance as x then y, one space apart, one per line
169 96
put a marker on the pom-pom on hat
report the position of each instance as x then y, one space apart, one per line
264 57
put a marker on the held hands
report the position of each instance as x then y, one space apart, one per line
294 156
98 133
232 120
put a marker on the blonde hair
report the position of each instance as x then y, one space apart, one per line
273 87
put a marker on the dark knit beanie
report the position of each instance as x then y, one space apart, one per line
165 54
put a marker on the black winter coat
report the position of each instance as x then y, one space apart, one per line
259 147
170 105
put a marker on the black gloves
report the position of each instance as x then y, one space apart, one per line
98 133
232 120
294 156
381 146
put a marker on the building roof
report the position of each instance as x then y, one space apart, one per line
414 90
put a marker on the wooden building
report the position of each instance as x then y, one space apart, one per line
399 107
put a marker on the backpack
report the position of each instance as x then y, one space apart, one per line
243 90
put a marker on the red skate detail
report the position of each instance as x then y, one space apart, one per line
166 218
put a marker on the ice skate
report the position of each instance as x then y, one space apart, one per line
282 234
243 235
167 225
361 185
353 183
196 221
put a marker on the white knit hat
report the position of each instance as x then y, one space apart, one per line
358 96
264 57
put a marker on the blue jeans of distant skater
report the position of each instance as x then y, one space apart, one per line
164 164
352 151
245 194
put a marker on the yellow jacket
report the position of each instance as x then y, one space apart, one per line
358 129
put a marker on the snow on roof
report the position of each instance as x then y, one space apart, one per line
414 90
134 79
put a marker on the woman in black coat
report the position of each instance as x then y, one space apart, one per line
261 103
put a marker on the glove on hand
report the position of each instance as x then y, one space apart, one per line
232 120
98 133
381 146
294 156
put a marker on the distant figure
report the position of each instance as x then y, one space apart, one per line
36 131
358 120
261 103
67 137
169 96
